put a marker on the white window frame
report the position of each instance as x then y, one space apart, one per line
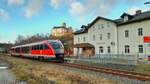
141 49
101 50
108 35
94 37
101 37
140 31
109 49
127 49
126 33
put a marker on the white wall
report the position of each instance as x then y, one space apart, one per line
117 35
96 29
81 40
134 40
80 37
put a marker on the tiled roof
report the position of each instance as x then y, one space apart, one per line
80 31
125 14
84 29
132 18
93 22
57 27
137 17
83 45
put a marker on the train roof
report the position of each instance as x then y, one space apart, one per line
35 43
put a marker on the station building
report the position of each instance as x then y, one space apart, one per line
129 35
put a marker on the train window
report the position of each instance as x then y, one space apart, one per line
25 49
41 47
38 47
45 46
32 47
17 50
55 45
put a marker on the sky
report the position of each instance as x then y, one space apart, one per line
29 17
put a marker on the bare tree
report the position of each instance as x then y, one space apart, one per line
29 39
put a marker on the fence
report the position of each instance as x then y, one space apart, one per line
110 58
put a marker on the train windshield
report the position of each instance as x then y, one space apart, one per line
56 45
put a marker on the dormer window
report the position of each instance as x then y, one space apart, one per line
125 18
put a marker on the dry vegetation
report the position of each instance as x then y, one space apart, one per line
142 68
35 72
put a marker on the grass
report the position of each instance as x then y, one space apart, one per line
142 68
34 72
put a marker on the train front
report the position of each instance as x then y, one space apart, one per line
58 49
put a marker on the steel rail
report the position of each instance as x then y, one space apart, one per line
121 73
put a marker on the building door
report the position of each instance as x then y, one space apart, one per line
101 50
78 52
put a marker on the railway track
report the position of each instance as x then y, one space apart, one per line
121 73
132 75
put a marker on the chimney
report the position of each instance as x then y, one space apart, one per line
138 12
64 24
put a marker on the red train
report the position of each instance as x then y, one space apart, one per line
149 58
48 49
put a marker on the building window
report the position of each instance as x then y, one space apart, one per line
101 49
125 18
100 37
108 35
102 26
140 48
127 49
140 31
93 28
78 39
93 37
108 25
84 39
99 26
108 49
126 33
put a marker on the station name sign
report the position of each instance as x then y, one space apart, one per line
146 39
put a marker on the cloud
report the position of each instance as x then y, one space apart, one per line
33 8
93 7
133 1
84 8
15 2
77 9
133 9
4 16
55 3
